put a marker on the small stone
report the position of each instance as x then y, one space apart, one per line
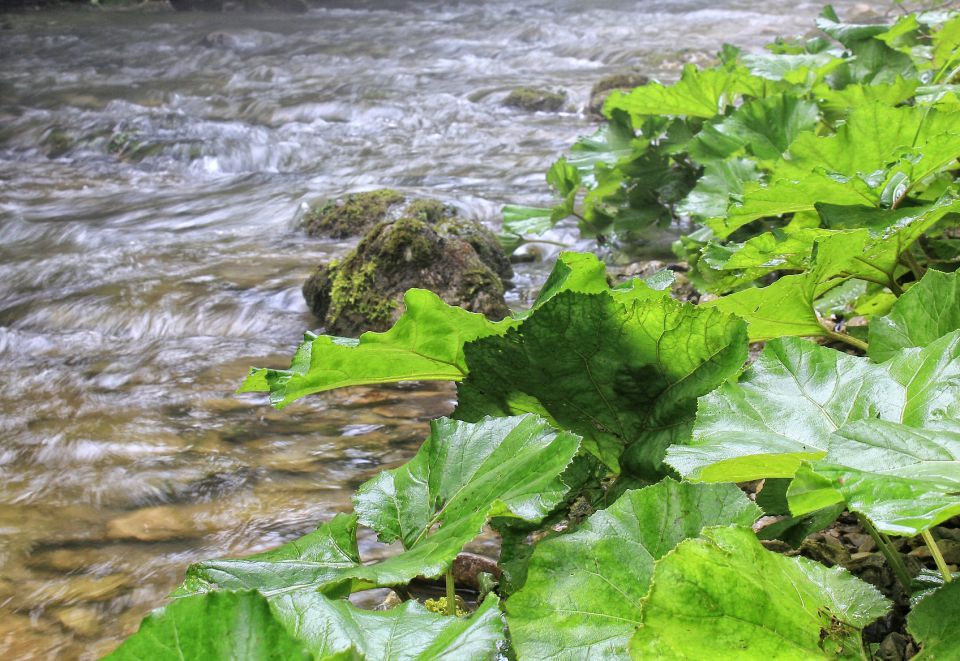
825 552
83 620
467 568
893 647
154 524
74 589
623 81
392 599
534 99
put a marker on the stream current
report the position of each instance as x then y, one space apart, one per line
152 169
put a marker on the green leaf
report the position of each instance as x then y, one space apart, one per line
219 626
699 93
933 624
798 69
426 344
854 96
583 591
929 310
785 308
892 232
522 221
766 127
904 479
787 406
853 166
462 475
317 559
721 181
723 596
408 632
624 375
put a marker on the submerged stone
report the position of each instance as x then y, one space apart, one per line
623 81
429 247
534 99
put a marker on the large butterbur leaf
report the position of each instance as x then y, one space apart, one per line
763 127
905 479
723 596
787 406
622 373
876 150
583 591
463 474
331 628
933 624
785 308
219 626
317 559
698 93
929 310
426 344
303 624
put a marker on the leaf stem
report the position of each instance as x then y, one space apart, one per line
890 553
850 340
937 556
451 593
911 262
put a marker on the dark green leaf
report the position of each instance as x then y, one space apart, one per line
623 375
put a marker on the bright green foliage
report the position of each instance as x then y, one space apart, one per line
906 480
933 624
318 559
460 470
929 310
409 632
699 93
426 344
220 626
878 149
462 475
787 406
723 596
624 376
764 128
303 624
721 180
786 308
583 591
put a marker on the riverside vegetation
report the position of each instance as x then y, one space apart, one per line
602 433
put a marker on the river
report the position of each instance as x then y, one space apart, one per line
152 169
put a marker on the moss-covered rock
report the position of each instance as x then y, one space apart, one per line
626 80
351 215
533 99
428 247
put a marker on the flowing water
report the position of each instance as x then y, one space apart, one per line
152 167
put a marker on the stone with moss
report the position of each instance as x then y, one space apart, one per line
364 290
533 99
353 214
624 81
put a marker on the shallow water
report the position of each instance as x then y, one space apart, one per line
152 167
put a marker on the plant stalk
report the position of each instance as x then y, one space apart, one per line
451 593
937 556
891 554
846 339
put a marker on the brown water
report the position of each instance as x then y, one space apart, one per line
149 190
